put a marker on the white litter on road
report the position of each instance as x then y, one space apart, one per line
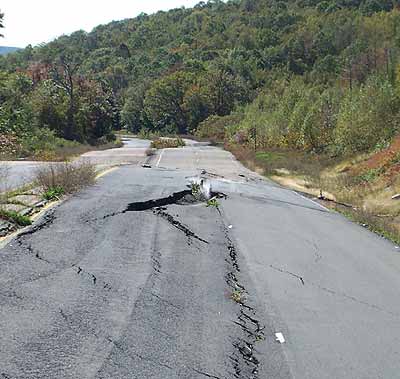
279 337
230 226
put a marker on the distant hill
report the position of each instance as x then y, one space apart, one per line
7 49
280 73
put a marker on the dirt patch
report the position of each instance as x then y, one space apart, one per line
301 185
383 157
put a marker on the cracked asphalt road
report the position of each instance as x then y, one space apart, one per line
101 289
22 172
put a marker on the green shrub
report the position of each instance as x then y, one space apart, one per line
368 176
42 142
167 143
214 127
53 193
368 116
15 217
213 203
66 177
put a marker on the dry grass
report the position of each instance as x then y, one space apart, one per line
272 161
167 143
65 153
70 177
150 152
387 227
353 181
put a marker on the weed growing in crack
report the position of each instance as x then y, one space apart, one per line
196 189
237 296
245 362
53 193
213 203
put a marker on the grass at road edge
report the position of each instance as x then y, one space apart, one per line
52 197
344 181
15 217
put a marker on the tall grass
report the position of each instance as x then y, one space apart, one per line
70 177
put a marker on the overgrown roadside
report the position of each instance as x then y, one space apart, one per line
51 183
49 148
362 187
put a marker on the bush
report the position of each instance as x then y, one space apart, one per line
368 116
214 127
15 217
53 193
65 177
9 146
167 143
43 144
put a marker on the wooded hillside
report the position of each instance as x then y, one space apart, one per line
305 74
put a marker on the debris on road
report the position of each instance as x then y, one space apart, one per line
280 338
205 172
6 228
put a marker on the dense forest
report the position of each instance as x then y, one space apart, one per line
313 75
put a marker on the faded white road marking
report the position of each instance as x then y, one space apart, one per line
159 158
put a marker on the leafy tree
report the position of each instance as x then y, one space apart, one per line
164 102
134 116
367 117
292 70
63 72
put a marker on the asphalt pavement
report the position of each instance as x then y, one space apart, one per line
132 278
22 172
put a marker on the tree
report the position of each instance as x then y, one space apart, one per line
63 72
164 102
133 114
223 90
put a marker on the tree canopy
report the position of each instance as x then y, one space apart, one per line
292 62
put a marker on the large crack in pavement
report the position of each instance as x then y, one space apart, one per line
245 361
159 207
185 197
244 358
178 225
46 221
21 239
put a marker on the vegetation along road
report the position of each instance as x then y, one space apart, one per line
196 267
180 262
133 151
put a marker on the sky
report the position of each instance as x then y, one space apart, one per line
36 21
